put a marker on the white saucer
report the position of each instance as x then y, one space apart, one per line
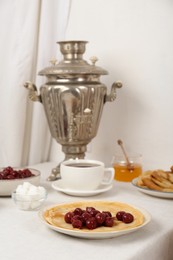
60 186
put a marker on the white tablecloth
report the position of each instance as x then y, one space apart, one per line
24 237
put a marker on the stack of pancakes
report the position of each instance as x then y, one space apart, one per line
157 180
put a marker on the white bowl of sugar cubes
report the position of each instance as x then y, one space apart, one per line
29 197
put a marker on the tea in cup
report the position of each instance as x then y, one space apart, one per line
84 174
124 171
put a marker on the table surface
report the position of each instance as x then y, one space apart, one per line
24 237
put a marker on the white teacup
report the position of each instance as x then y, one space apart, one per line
83 174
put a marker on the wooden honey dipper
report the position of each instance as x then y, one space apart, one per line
130 167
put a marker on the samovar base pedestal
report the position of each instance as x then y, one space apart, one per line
71 152
55 174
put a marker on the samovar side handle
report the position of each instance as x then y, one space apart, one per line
33 93
112 96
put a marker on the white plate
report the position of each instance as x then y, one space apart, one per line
59 186
93 234
155 193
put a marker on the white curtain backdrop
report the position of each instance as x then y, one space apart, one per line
29 31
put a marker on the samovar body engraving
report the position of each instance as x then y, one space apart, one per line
73 113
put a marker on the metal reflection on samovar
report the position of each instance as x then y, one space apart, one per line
73 99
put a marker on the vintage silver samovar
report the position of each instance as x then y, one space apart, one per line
73 99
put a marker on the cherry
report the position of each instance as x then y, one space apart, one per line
89 209
76 223
78 217
108 213
94 212
119 215
127 218
100 218
109 222
91 223
86 216
78 211
68 217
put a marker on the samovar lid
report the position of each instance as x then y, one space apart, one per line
73 62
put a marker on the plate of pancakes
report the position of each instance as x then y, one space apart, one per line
158 183
54 218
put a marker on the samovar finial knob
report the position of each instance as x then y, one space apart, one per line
93 59
53 61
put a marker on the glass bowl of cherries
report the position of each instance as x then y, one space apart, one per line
11 177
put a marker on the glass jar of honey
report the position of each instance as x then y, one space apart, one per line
127 171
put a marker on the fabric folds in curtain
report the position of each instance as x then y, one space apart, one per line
29 32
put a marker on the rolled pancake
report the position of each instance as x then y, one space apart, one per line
55 215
